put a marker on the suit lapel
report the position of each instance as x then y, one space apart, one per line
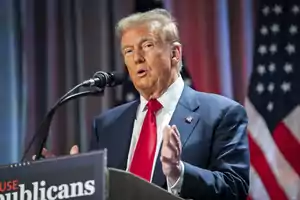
124 139
185 119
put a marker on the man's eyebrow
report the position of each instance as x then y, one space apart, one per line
126 46
142 40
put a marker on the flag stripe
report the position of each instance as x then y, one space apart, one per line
288 145
257 189
292 122
276 161
260 163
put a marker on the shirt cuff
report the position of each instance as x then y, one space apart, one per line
176 187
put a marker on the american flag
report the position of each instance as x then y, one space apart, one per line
272 103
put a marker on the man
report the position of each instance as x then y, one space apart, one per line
193 144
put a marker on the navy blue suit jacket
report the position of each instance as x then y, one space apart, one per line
215 147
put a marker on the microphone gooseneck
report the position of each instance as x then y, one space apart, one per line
98 83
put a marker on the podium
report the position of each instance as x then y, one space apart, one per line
83 176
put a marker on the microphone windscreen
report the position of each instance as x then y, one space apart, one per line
118 78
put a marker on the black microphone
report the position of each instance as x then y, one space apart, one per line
105 79
99 81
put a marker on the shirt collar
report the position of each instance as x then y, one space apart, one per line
169 98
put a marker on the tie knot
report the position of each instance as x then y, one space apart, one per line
153 105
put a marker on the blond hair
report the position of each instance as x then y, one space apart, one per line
160 21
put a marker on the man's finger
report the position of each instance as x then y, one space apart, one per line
174 135
34 157
170 161
172 148
166 133
174 127
46 153
177 134
175 140
171 141
74 150
169 148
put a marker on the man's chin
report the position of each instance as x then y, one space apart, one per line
142 83
144 88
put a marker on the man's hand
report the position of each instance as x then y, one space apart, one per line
171 154
48 154
74 150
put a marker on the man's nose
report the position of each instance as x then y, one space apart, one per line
138 56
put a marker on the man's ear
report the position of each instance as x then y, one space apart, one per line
176 53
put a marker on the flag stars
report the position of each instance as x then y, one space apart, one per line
277 9
290 48
271 87
270 106
293 29
273 48
275 28
286 87
288 68
272 67
266 10
295 9
262 49
261 69
264 30
260 88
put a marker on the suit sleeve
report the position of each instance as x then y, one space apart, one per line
93 145
227 175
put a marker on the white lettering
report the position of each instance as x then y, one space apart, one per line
7 196
50 191
89 187
76 189
42 190
63 191
24 193
11 196
14 196
35 190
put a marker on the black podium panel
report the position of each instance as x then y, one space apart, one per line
81 176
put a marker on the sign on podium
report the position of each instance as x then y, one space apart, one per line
80 176
83 176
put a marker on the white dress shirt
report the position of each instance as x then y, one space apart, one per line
168 101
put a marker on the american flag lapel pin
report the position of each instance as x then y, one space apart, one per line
189 119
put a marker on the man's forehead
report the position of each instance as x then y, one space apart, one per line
138 34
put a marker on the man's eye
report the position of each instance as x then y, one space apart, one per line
148 45
128 51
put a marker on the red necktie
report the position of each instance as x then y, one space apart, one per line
144 153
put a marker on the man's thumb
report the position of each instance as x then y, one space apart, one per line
74 150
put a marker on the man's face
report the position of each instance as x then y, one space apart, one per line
148 59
